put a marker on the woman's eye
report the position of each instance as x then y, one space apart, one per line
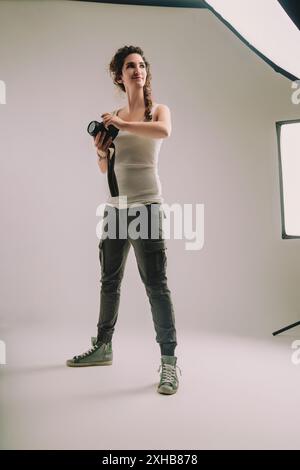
131 65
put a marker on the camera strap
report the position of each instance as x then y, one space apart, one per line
111 176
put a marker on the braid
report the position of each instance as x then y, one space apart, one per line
148 103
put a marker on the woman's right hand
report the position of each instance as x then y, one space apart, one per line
102 149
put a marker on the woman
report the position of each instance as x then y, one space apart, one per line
142 127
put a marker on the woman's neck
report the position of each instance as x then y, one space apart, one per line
135 103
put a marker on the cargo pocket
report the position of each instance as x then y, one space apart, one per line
101 255
155 257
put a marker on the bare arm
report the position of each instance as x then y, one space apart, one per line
161 128
102 162
102 150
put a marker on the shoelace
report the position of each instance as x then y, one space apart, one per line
87 353
168 372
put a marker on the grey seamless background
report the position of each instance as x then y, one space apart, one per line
222 152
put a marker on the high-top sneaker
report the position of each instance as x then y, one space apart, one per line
168 379
100 354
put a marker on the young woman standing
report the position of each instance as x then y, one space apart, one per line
142 127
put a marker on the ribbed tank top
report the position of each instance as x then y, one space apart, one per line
136 169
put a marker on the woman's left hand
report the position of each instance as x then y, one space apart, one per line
112 119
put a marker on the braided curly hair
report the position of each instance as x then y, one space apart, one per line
115 70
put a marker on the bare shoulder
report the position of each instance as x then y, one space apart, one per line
162 113
160 110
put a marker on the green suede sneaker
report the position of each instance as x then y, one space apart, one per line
99 355
168 383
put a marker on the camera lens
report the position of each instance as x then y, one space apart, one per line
93 128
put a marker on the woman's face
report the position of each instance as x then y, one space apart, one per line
133 67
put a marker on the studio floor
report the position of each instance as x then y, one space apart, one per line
235 392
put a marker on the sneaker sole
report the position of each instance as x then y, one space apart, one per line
89 364
166 391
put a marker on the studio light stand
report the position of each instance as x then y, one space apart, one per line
286 328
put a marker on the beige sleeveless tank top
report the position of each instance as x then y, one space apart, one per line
136 169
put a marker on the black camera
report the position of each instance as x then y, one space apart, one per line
94 127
